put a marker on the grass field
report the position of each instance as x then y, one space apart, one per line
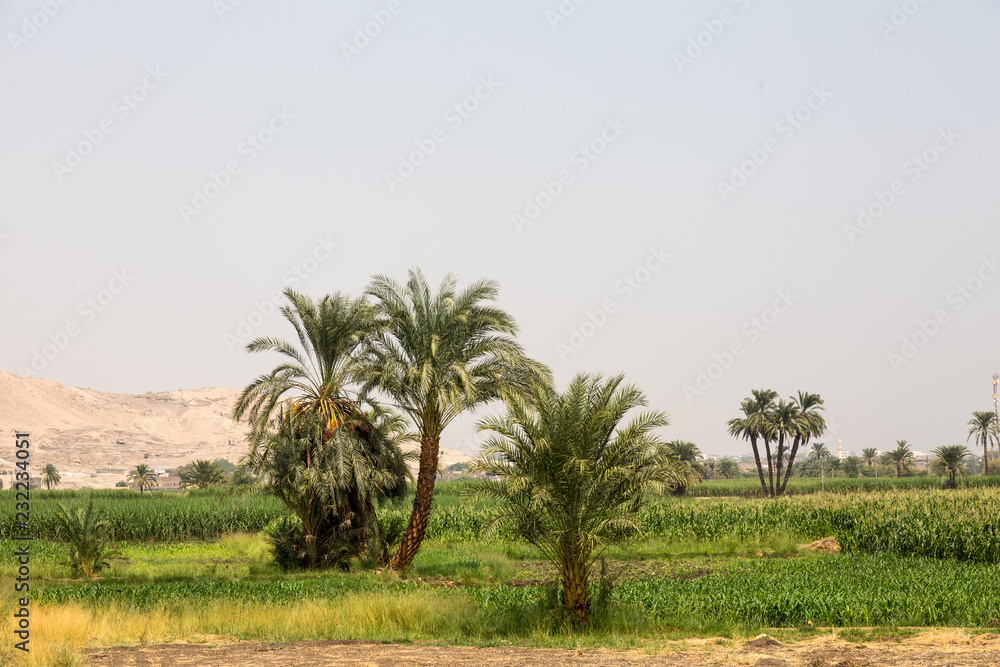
727 567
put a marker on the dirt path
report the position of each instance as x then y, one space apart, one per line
944 647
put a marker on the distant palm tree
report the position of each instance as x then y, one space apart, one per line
202 474
574 475
437 356
984 428
727 469
754 425
143 477
51 476
686 454
819 452
870 456
901 457
951 461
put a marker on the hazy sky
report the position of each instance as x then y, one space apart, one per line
708 196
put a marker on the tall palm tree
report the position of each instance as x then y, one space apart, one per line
870 456
820 453
143 477
437 356
51 476
951 461
202 474
984 428
574 477
807 424
316 378
901 457
754 425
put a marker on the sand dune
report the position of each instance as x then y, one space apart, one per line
82 431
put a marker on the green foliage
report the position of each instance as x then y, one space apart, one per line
950 462
572 476
202 474
86 532
50 476
143 477
161 516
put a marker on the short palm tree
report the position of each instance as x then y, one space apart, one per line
950 461
85 532
574 477
870 456
727 469
50 476
901 457
437 356
202 474
334 482
143 477
317 383
686 454
985 429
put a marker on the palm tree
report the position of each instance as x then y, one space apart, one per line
202 474
436 357
333 482
951 461
819 453
317 387
754 425
573 476
727 469
807 424
143 477
51 476
870 456
686 454
331 333
901 457
984 428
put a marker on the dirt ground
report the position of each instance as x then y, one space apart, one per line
946 647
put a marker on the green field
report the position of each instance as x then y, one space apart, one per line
729 566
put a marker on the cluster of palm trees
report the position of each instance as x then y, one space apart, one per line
787 425
326 423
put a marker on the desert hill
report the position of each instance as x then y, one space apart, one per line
94 438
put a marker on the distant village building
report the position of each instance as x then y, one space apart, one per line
111 471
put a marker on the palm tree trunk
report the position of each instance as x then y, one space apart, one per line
576 592
781 462
770 469
791 460
756 457
429 447
986 459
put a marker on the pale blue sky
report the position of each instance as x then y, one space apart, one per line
336 127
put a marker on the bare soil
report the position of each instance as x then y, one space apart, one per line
944 647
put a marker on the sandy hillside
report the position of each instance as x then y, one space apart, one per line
82 430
